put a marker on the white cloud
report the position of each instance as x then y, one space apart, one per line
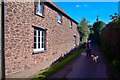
86 5
82 6
78 6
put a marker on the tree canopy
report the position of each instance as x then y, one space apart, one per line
97 28
83 30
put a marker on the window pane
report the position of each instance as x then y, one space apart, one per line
38 33
42 36
40 9
34 39
42 45
70 23
38 39
59 17
34 32
34 45
74 40
42 33
38 45
42 39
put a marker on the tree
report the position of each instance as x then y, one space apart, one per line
91 32
114 17
89 26
97 28
83 30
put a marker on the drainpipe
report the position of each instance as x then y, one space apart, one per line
2 39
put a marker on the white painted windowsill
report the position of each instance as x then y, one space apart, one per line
36 52
39 14
59 22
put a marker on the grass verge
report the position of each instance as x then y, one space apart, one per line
57 66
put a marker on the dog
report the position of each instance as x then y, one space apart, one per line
95 58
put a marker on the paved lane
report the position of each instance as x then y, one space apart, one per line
84 67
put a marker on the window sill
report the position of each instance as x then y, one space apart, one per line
37 52
71 27
40 15
60 22
75 45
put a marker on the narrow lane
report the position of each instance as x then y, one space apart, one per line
84 67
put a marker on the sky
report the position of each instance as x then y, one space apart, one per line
89 10
85 0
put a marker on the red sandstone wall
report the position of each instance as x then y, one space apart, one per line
19 38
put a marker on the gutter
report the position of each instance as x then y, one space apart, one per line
2 39
59 9
52 3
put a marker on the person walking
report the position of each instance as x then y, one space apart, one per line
88 49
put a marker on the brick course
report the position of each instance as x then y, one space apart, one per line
19 37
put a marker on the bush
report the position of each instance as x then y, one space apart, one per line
97 27
110 37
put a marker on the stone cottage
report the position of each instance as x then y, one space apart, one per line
36 33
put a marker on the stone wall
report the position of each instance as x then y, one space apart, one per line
19 38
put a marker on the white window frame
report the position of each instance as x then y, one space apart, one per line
74 40
38 8
41 48
70 24
59 16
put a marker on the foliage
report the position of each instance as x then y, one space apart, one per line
110 37
83 29
89 26
114 17
97 28
91 32
57 66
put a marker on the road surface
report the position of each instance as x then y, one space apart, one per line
83 67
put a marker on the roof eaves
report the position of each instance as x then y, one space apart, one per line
60 9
